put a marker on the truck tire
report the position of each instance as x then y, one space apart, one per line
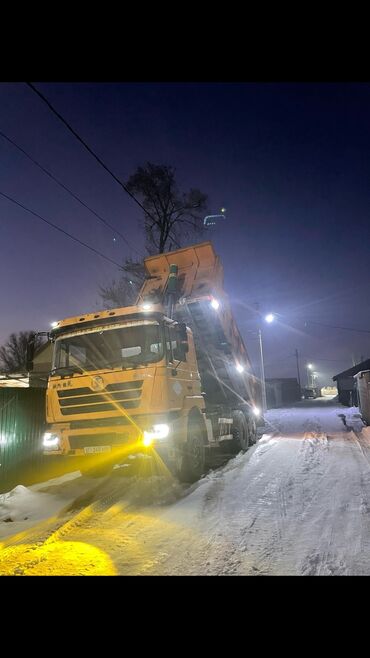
252 429
193 461
240 431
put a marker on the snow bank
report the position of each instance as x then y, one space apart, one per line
22 504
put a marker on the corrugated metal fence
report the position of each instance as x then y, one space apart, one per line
22 423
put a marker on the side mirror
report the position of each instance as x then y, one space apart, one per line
182 337
182 345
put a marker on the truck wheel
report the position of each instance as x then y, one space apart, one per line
192 461
240 431
252 428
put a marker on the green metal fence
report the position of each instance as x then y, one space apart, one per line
22 423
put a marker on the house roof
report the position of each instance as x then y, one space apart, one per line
46 346
18 380
364 365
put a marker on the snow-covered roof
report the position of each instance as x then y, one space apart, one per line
361 373
364 365
14 380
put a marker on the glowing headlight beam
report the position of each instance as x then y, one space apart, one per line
50 440
156 433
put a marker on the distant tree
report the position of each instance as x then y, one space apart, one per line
170 216
13 354
170 219
124 292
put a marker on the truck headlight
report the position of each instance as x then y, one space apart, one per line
256 411
50 440
156 433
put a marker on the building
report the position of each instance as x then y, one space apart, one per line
37 378
14 380
346 383
282 392
329 391
41 366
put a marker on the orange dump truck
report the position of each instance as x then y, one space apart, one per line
170 375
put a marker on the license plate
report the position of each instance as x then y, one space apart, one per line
89 449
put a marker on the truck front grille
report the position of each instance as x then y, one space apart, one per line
125 395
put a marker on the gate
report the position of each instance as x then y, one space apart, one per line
22 423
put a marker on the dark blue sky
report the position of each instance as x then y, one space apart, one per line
290 162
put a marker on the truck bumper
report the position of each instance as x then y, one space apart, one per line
118 442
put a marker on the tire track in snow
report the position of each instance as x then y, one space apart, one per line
86 511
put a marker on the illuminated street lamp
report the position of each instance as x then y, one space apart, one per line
211 220
268 318
309 376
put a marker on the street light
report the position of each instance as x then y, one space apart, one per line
210 220
268 318
309 377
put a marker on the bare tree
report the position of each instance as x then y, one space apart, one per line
13 355
124 292
170 216
170 219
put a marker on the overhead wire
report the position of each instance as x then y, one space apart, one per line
61 230
332 326
67 189
88 148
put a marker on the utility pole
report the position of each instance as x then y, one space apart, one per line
264 401
299 377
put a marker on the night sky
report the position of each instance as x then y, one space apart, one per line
290 162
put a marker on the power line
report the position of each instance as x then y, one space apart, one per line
317 358
88 148
58 228
331 326
48 173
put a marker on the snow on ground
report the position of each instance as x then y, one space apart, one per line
22 506
296 503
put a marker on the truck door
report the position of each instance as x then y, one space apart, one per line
179 374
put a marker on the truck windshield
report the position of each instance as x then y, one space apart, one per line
124 347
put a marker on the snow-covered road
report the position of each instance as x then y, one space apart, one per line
296 503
